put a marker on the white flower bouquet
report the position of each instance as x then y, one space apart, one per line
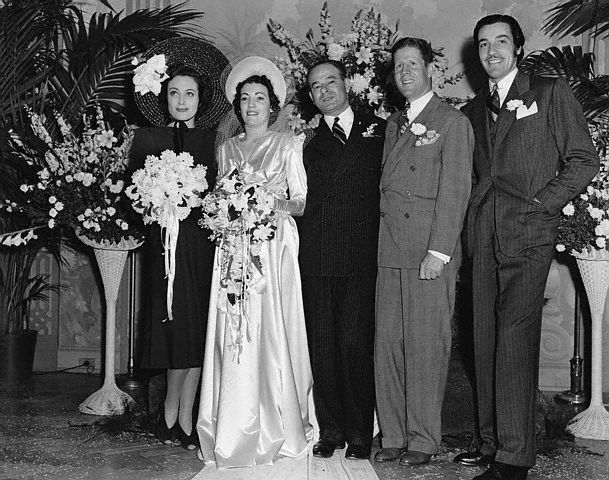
240 217
584 224
168 186
365 52
165 191
75 181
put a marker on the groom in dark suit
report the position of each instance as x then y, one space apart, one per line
533 153
338 241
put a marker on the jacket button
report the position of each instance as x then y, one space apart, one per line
412 167
406 215
408 193
382 214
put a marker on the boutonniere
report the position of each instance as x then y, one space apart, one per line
370 131
521 109
514 104
424 136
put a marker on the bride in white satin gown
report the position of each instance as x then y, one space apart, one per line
256 410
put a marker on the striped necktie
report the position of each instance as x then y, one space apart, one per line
493 103
403 122
338 131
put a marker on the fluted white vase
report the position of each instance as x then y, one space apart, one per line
593 422
111 258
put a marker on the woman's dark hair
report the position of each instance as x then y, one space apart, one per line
205 91
262 80
517 34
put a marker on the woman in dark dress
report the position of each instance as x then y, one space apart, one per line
183 106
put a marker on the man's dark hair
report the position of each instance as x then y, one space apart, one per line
422 45
339 66
205 92
262 80
517 34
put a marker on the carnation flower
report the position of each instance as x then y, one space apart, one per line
335 51
560 247
569 209
117 187
358 83
418 129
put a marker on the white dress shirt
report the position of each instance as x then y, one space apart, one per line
345 119
417 106
503 85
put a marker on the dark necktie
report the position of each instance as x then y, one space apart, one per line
338 131
403 121
493 103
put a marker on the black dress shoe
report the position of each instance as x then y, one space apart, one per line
474 459
325 448
412 458
503 471
357 452
165 434
187 442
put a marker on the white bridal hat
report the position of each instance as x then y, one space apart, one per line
255 66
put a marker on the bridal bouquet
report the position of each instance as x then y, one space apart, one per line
165 191
584 225
240 217
75 180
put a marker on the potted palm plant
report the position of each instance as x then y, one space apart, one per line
55 60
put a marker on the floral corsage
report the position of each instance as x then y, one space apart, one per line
424 136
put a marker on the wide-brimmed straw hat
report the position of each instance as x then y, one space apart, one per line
202 57
255 65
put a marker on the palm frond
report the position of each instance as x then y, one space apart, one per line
574 17
577 68
97 61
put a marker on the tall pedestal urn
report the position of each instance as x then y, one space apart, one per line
111 259
593 422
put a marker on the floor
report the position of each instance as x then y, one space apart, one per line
43 436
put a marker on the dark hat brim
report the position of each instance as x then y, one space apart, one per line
206 60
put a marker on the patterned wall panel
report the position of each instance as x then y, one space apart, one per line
132 5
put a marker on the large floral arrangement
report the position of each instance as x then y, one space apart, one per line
365 52
240 217
584 224
77 180
165 191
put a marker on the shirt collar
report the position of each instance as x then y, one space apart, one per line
345 118
503 85
417 106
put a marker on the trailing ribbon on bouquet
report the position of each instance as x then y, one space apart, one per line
170 243
241 218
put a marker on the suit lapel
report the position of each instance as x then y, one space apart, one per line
506 118
480 121
407 140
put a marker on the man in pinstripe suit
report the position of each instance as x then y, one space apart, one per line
533 153
425 187
338 238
